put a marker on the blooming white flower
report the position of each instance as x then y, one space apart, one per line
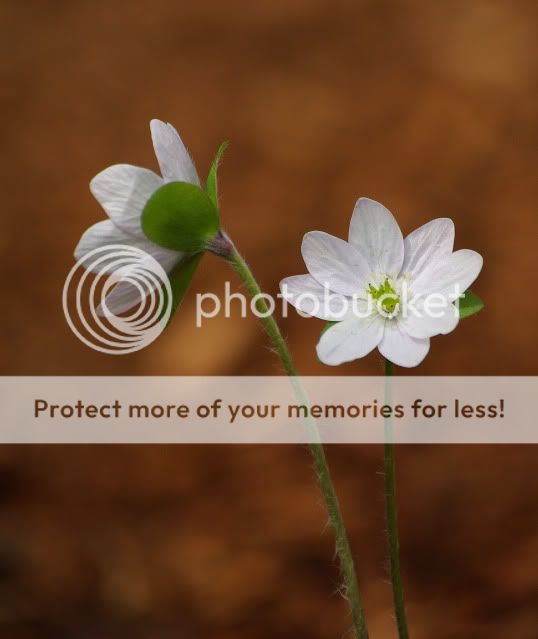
382 290
123 191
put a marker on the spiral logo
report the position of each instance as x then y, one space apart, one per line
125 305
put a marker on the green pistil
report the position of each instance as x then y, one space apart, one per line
386 295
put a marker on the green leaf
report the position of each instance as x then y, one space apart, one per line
469 304
211 186
181 217
180 278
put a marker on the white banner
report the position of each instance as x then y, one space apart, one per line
268 410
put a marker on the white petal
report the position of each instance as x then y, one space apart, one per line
174 160
350 339
311 298
400 348
438 317
100 235
428 243
123 191
107 234
376 235
335 263
123 297
125 294
450 276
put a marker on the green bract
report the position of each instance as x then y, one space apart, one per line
469 304
180 279
211 184
181 217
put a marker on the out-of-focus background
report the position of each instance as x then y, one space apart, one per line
429 107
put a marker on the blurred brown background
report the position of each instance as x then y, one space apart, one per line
430 107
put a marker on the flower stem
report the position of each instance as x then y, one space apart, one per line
320 462
392 518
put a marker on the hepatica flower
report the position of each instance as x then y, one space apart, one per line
381 290
168 216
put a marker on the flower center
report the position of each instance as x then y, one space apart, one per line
386 297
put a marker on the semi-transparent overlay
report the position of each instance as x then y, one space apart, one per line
268 410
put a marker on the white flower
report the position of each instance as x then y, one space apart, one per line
383 291
123 191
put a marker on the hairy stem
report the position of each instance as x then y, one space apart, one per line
320 462
392 518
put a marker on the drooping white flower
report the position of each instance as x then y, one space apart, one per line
123 191
383 290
